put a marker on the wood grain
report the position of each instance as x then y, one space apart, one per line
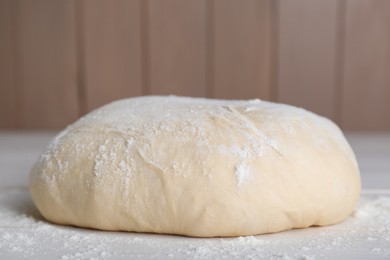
242 49
306 56
47 64
177 47
366 93
7 66
111 50
60 59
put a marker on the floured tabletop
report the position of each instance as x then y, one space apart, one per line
25 234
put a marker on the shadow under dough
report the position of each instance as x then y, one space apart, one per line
17 202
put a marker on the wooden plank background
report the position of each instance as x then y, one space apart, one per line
242 49
8 107
306 60
366 77
46 76
61 59
177 47
110 51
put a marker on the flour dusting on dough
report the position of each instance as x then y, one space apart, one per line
242 173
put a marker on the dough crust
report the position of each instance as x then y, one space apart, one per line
197 167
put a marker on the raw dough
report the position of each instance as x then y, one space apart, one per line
197 167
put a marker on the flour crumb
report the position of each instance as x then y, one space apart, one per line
243 173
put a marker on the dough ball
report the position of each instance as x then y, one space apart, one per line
197 167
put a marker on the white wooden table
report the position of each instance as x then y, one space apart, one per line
24 234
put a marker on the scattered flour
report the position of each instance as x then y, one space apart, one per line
25 234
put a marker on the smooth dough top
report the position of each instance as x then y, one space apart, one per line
197 167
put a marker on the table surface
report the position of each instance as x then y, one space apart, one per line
24 234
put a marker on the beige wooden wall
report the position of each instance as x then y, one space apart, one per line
60 59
